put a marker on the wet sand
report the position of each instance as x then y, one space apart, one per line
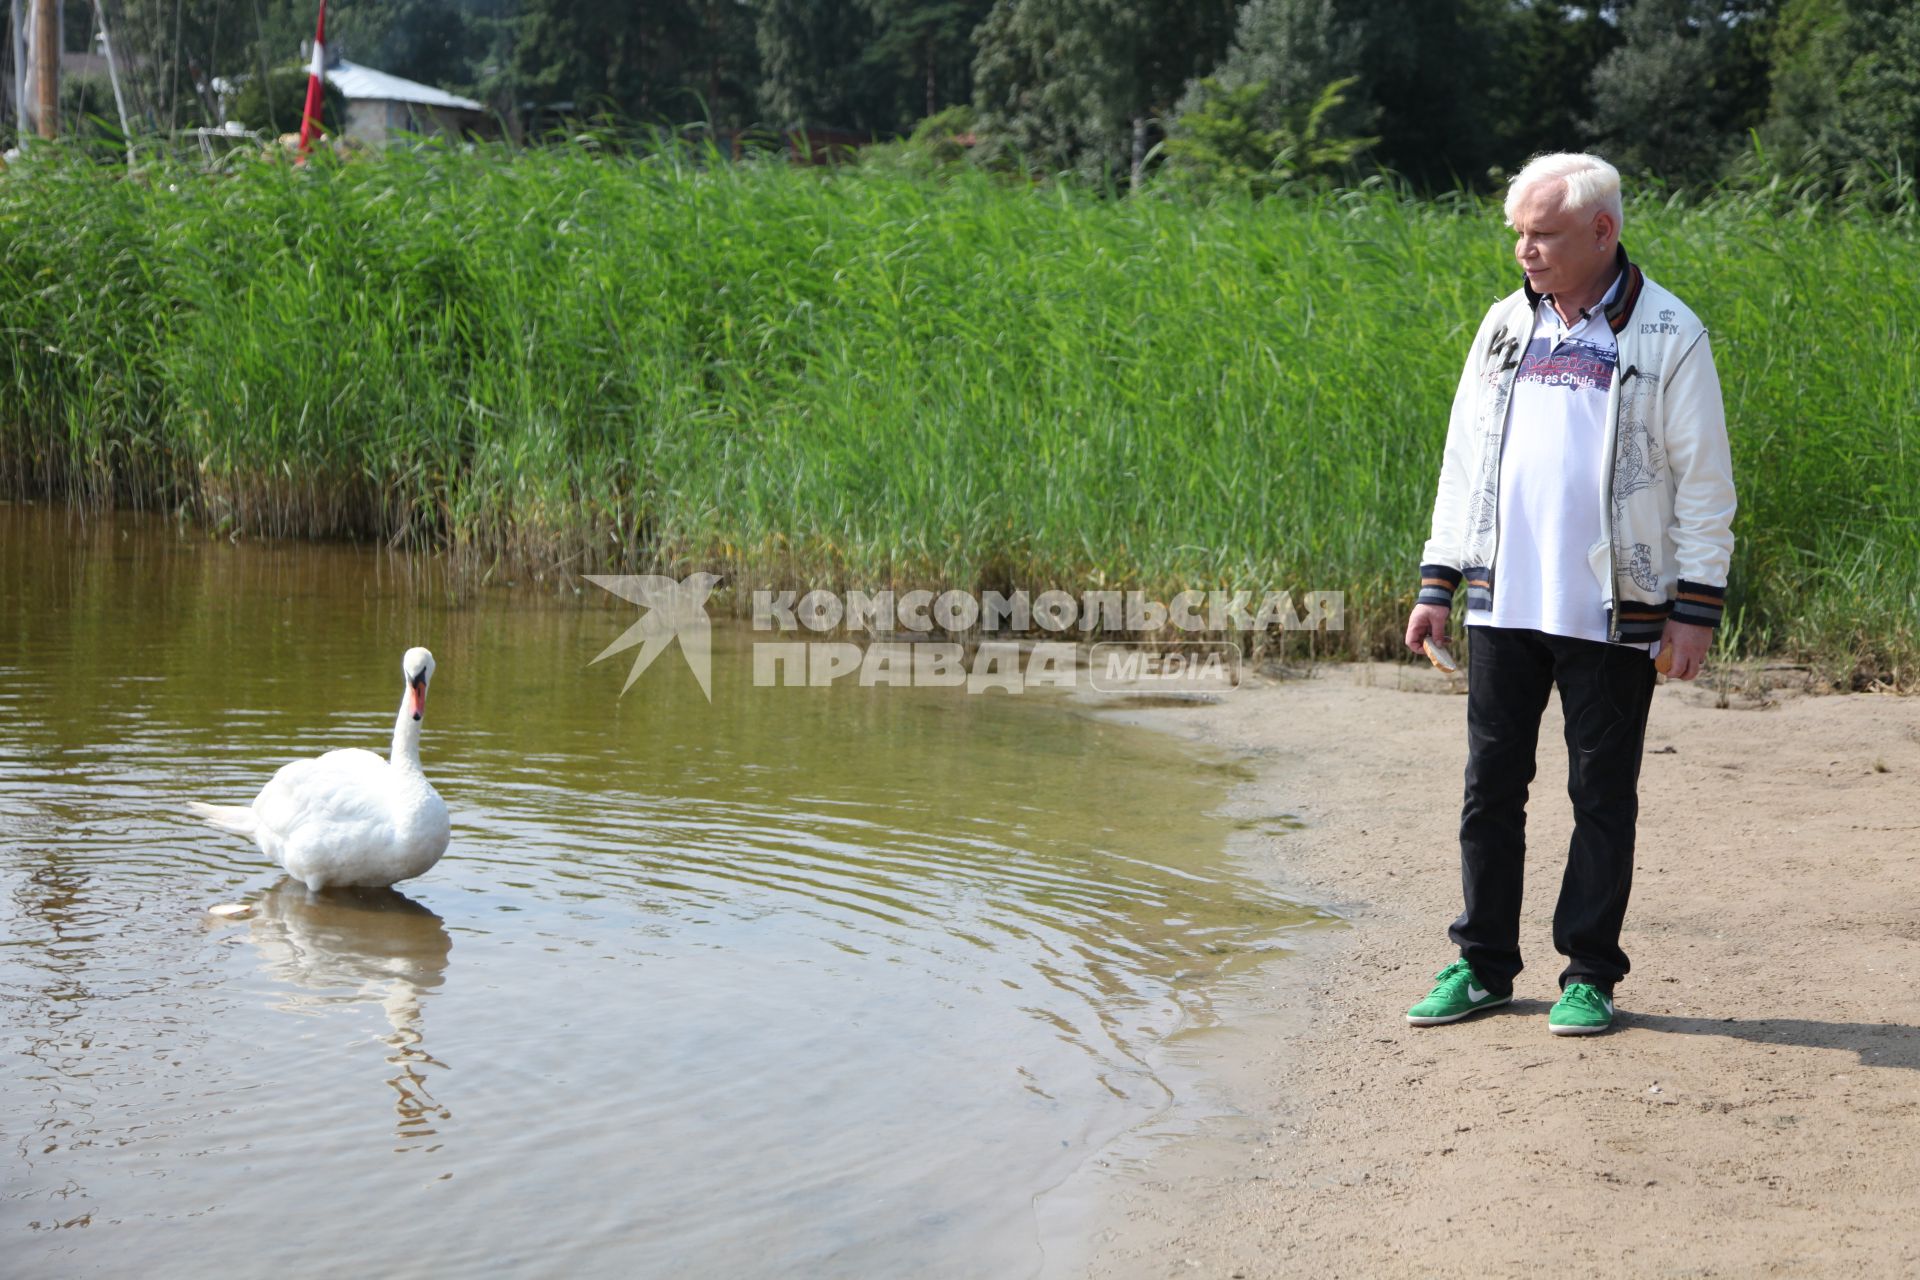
1752 1114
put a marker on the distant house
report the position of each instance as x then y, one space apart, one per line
379 105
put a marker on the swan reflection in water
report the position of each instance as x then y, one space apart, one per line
361 946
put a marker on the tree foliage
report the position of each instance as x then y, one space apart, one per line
875 66
1450 92
1669 100
438 42
1541 96
1424 75
805 50
1846 87
1077 84
671 62
1222 143
1291 48
924 50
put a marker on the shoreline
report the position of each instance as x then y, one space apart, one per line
1750 1113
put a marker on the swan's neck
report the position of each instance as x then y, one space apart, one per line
406 738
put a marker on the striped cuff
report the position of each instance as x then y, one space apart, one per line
1639 622
1698 604
1479 588
1438 582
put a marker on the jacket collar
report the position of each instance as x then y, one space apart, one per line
1620 310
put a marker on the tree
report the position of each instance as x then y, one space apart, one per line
1845 91
1424 76
1432 67
437 42
670 63
872 65
1291 48
926 48
1221 144
807 49
1050 81
1080 83
1542 98
1674 99
724 66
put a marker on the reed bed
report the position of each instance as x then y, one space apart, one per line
565 361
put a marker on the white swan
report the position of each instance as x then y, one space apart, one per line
349 818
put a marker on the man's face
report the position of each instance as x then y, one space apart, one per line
1560 249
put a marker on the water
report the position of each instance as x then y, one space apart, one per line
805 982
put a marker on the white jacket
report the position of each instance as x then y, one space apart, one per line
1668 499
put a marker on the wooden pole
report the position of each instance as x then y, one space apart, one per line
46 66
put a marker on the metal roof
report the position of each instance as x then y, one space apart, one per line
360 83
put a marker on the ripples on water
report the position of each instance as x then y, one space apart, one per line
803 982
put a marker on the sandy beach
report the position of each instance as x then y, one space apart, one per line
1753 1113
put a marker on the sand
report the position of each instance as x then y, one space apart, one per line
1755 1111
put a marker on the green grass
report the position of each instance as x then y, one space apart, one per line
558 361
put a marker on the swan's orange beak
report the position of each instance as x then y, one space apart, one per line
418 702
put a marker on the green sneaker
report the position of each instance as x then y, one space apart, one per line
1582 1010
1456 994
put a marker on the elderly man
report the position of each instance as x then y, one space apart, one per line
1586 499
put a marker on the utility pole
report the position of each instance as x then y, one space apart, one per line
46 65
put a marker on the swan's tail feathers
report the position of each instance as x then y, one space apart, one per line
237 818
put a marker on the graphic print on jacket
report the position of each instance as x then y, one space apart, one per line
1502 357
1639 463
1577 365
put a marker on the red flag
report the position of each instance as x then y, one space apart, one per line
310 117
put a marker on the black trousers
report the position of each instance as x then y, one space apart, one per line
1605 691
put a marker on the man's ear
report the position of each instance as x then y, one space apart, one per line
1605 229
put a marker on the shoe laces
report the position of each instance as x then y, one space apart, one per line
1458 969
1585 993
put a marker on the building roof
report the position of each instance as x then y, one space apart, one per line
358 83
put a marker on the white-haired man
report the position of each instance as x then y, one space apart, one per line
1586 500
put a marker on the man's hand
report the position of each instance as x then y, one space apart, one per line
1689 645
1431 620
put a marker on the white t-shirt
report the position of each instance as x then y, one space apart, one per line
1553 462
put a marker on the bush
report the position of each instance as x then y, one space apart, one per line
1237 139
87 109
275 104
941 142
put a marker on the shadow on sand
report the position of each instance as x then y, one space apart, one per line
1878 1044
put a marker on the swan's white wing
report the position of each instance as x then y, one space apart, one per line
337 784
321 807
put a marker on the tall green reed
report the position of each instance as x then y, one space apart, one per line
561 361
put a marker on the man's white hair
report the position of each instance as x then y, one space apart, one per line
1588 183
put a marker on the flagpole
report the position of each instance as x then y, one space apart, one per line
310 116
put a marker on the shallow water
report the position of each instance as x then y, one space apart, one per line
802 982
